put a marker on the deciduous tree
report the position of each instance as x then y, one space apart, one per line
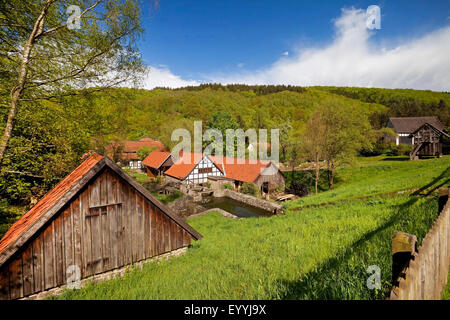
43 57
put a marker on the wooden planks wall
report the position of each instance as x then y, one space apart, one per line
107 226
426 276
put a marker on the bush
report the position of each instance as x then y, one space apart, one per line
8 215
249 188
378 149
144 151
208 184
299 189
400 150
228 186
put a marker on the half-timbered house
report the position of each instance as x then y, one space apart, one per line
197 168
193 168
96 220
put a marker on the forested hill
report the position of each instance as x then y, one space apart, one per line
402 102
50 137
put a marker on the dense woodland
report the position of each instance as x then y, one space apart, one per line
50 136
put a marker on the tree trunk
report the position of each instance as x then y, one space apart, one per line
330 175
17 90
317 176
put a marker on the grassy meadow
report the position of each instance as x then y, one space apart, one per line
380 175
319 252
446 294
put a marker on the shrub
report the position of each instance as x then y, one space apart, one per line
208 184
400 150
144 151
299 189
228 186
249 188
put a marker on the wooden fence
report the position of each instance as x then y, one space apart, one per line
426 276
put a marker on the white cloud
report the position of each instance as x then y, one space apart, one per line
286 53
163 77
352 59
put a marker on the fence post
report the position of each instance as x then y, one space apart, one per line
436 250
403 246
443 257
429 267
425 275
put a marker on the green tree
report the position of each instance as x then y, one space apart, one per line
249 188
221 121
312 142
285 139
44 55
45 146
346 130
144 151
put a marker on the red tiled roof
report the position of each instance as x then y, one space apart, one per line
50 199
184 165
247 171
155 159
130 148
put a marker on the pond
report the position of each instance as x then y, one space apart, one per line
237 208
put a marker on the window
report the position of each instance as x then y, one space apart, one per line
102 210
205 170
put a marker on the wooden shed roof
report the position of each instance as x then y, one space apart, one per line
155 159
241 169
410 124
433 127
64 192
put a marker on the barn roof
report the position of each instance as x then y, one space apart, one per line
63 193
410 124
130 147
433 127
155 159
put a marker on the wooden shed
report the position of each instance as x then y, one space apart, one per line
427 141
97 219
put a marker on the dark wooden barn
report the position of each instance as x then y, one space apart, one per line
97 219
424 133
427 141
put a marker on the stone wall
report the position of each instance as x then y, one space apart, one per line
275 208
185 206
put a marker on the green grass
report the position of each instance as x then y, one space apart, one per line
319 252
145 180
381 174
446 294
288 256
166 198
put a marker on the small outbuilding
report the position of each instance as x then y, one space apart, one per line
125 151
157 162
97 220
424 133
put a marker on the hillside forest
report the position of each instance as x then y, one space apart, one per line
50 136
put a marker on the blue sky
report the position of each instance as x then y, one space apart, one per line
233 41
